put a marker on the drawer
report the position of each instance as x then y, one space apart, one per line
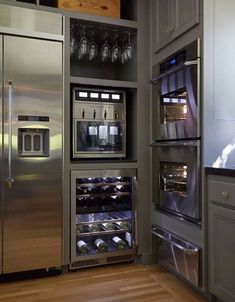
220 191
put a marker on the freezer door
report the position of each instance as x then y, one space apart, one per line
32 154
1 138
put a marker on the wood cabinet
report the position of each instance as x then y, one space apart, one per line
221 238
171 18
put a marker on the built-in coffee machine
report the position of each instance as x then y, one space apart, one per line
99 123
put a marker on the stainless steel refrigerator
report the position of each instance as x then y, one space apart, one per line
31 83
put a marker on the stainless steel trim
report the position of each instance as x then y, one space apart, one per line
171 241
29 22
1 149
10 179
175 143
175 69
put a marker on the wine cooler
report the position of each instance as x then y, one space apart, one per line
103 217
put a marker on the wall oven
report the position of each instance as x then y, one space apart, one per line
176 94
176 178
176 133
99 123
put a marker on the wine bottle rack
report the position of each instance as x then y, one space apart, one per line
95 202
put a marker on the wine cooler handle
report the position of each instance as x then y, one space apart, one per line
135 184
10 179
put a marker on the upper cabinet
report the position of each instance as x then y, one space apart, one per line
171 18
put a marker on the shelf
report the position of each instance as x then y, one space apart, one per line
103 184
101 165
76 15
102 233
111 248
105 194
103 82
101 218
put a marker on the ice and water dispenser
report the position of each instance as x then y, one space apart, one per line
33 142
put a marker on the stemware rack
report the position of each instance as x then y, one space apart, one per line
100 34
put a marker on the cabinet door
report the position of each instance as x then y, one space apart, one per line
221 252
162 23
186 16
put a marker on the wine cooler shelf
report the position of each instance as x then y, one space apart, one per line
102 245
102 228
103 216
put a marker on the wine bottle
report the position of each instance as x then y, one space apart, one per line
80 229
82 247
101 245
119 243
93 228
123 225
108 226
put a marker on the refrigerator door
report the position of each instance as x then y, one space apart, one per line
1 149
32 154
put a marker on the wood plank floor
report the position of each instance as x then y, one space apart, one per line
117 283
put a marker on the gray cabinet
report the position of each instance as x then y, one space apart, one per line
221 239
171 18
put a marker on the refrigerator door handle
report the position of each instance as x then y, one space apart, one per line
10 179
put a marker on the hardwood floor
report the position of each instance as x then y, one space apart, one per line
117 283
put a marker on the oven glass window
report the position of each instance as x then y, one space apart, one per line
99 136
173 178
174 106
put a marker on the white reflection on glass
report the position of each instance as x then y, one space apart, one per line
223 158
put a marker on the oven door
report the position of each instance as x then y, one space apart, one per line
176 94
98 139
175 178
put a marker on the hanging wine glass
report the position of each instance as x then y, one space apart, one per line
73 42
105 50
129 47
116 51
92 48
124 56
83 45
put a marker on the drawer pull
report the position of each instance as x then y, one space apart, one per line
226 194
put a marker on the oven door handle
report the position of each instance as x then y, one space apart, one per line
189 251
175 69
175 143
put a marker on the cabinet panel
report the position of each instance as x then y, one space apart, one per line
221 252
186 15
162 22
171 18
222 192
224 69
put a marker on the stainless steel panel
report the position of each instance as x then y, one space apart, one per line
187 154
33 202
1 151
21 20
179 255
177 119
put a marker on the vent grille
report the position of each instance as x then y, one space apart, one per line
119 258
85 263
